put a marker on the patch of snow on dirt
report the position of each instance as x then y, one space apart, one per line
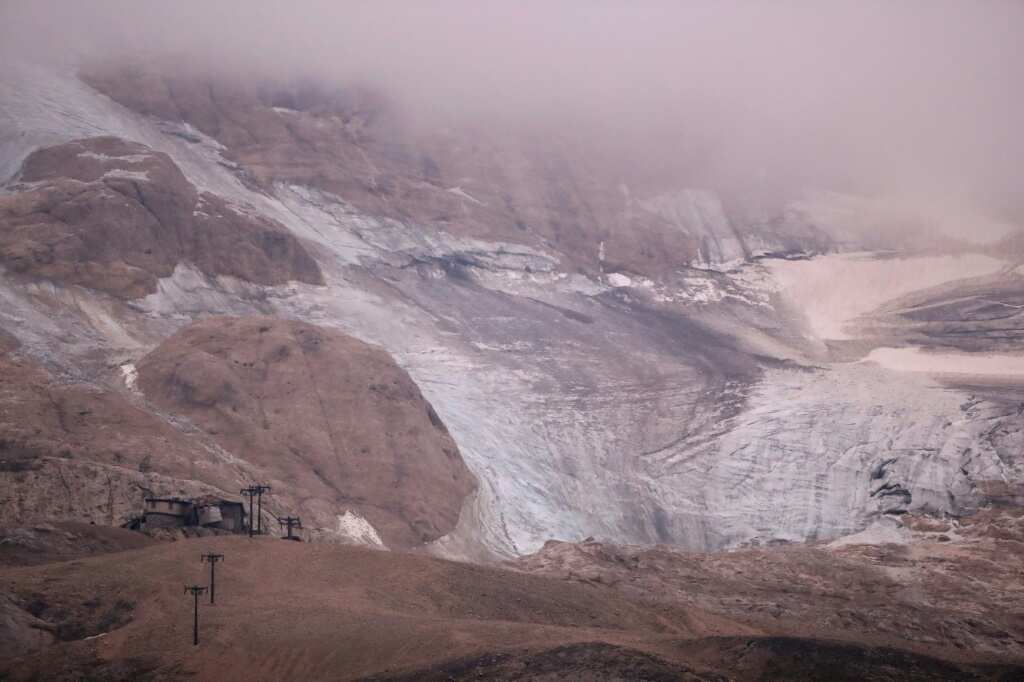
131 375
139 176
617 279
355 528
881 532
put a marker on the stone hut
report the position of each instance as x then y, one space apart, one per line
207 511
166 512
215 512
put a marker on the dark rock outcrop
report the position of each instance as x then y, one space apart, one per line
114 215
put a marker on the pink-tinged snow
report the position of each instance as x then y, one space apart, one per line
918 360
835 289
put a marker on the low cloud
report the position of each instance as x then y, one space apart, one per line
918 99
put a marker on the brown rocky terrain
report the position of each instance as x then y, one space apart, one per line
957 589
319 611
330 422
328 417
45 543
76 452
115 216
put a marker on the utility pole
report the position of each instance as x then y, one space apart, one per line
290 522
196 590
259 490
212 559
249 492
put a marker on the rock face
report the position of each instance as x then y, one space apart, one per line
980 315
342 434
318 412
72 452
115 216
511 186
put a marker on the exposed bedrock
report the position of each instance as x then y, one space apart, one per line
342 434
115 216
331 421
491 183
77 452
978 315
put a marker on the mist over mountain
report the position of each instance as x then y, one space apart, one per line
919 101
577 340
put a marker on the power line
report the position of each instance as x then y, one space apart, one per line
249 492
290 522
260 489
212 559
256 491
196 590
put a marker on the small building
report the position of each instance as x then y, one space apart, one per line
166 512
215 512
208 511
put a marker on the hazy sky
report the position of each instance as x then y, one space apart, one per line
912 97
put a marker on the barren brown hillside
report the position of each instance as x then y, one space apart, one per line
77 452
331 423
317 611
335 421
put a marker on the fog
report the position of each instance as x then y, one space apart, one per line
912 99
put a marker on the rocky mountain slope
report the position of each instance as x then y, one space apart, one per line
114 216
330 421
908 589
489 183
613 354
45 543
339 432
76 452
